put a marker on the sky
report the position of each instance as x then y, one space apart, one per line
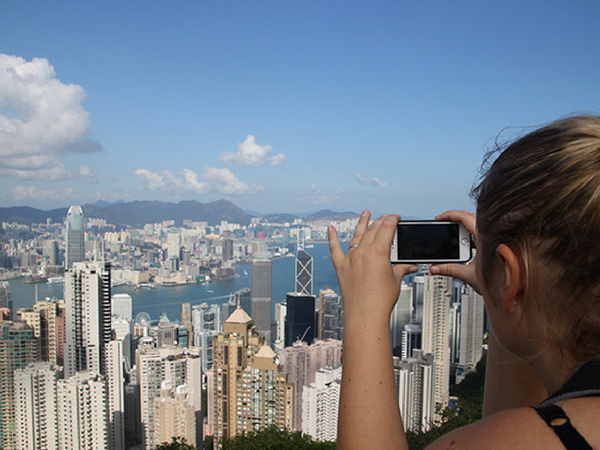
281 106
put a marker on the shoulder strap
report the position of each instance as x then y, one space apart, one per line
585 382
556 419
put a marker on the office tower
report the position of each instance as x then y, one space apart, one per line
53 253
401 314
6 297
412 338
304 272
249 391
261 297
167 332
331 315
320 403
299 318
186 321
115 395
280 313
415 381
75 237
180 367
418 290
175 414
82 412
436 332
174 245
49 312
88 324
121 306
471 336
18 347
301 362
35 406
31 318
227 247
207 326
455 324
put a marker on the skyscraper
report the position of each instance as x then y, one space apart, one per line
471 328
248 389
18 347
304 272
300 318
261 297
415 380
331 315
320 404
207 326
88 310
35 405
436 332
401 314
75 236
6 297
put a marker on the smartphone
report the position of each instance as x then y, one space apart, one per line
431 241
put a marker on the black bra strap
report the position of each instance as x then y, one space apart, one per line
556 419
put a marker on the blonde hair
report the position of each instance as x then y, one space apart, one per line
542 196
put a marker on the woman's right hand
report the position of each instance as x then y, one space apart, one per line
463 272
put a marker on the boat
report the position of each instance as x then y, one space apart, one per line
55 280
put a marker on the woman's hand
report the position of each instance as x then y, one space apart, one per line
369 284
464 272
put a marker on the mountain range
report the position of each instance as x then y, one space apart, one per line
139 213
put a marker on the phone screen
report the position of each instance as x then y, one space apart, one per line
436 242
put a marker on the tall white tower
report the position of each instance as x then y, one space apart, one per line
74 245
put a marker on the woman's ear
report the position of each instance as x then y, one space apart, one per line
513 272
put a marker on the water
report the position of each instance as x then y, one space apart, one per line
168 300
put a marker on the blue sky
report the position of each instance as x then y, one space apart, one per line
280 106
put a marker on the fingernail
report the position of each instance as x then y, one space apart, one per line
413 269
365 213
434 270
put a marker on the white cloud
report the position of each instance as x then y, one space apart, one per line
318 197
41 120
374 182
252 154
86 173
22 192
216 180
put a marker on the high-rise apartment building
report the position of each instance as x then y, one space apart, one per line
115 395
471 328
248 389
51 313
261 297
175 414
180 367
6 297
320 404
300 318
75 237
121 306
18 347
207 326
415 381
82 412
36 406
437 296
401 314
174 245
331 315
227 246
304 272
88 312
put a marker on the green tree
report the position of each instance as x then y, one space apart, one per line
272 438
177 443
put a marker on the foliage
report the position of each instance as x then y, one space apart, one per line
177 443
274 438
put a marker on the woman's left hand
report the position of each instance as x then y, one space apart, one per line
369 283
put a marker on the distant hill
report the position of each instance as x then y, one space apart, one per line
139 213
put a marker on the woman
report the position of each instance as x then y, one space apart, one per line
537 233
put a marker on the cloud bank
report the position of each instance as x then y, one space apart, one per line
373 182
252 154
41 120
214 180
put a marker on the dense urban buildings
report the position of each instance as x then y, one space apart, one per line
134 381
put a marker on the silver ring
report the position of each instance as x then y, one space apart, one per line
353 246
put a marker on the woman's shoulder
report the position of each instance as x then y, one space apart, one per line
519 428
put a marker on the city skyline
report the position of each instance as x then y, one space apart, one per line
289 107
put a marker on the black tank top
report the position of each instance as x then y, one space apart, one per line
585 382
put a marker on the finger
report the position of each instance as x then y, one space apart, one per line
361 227
462 272
400 270
468 219
337 254
387 229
